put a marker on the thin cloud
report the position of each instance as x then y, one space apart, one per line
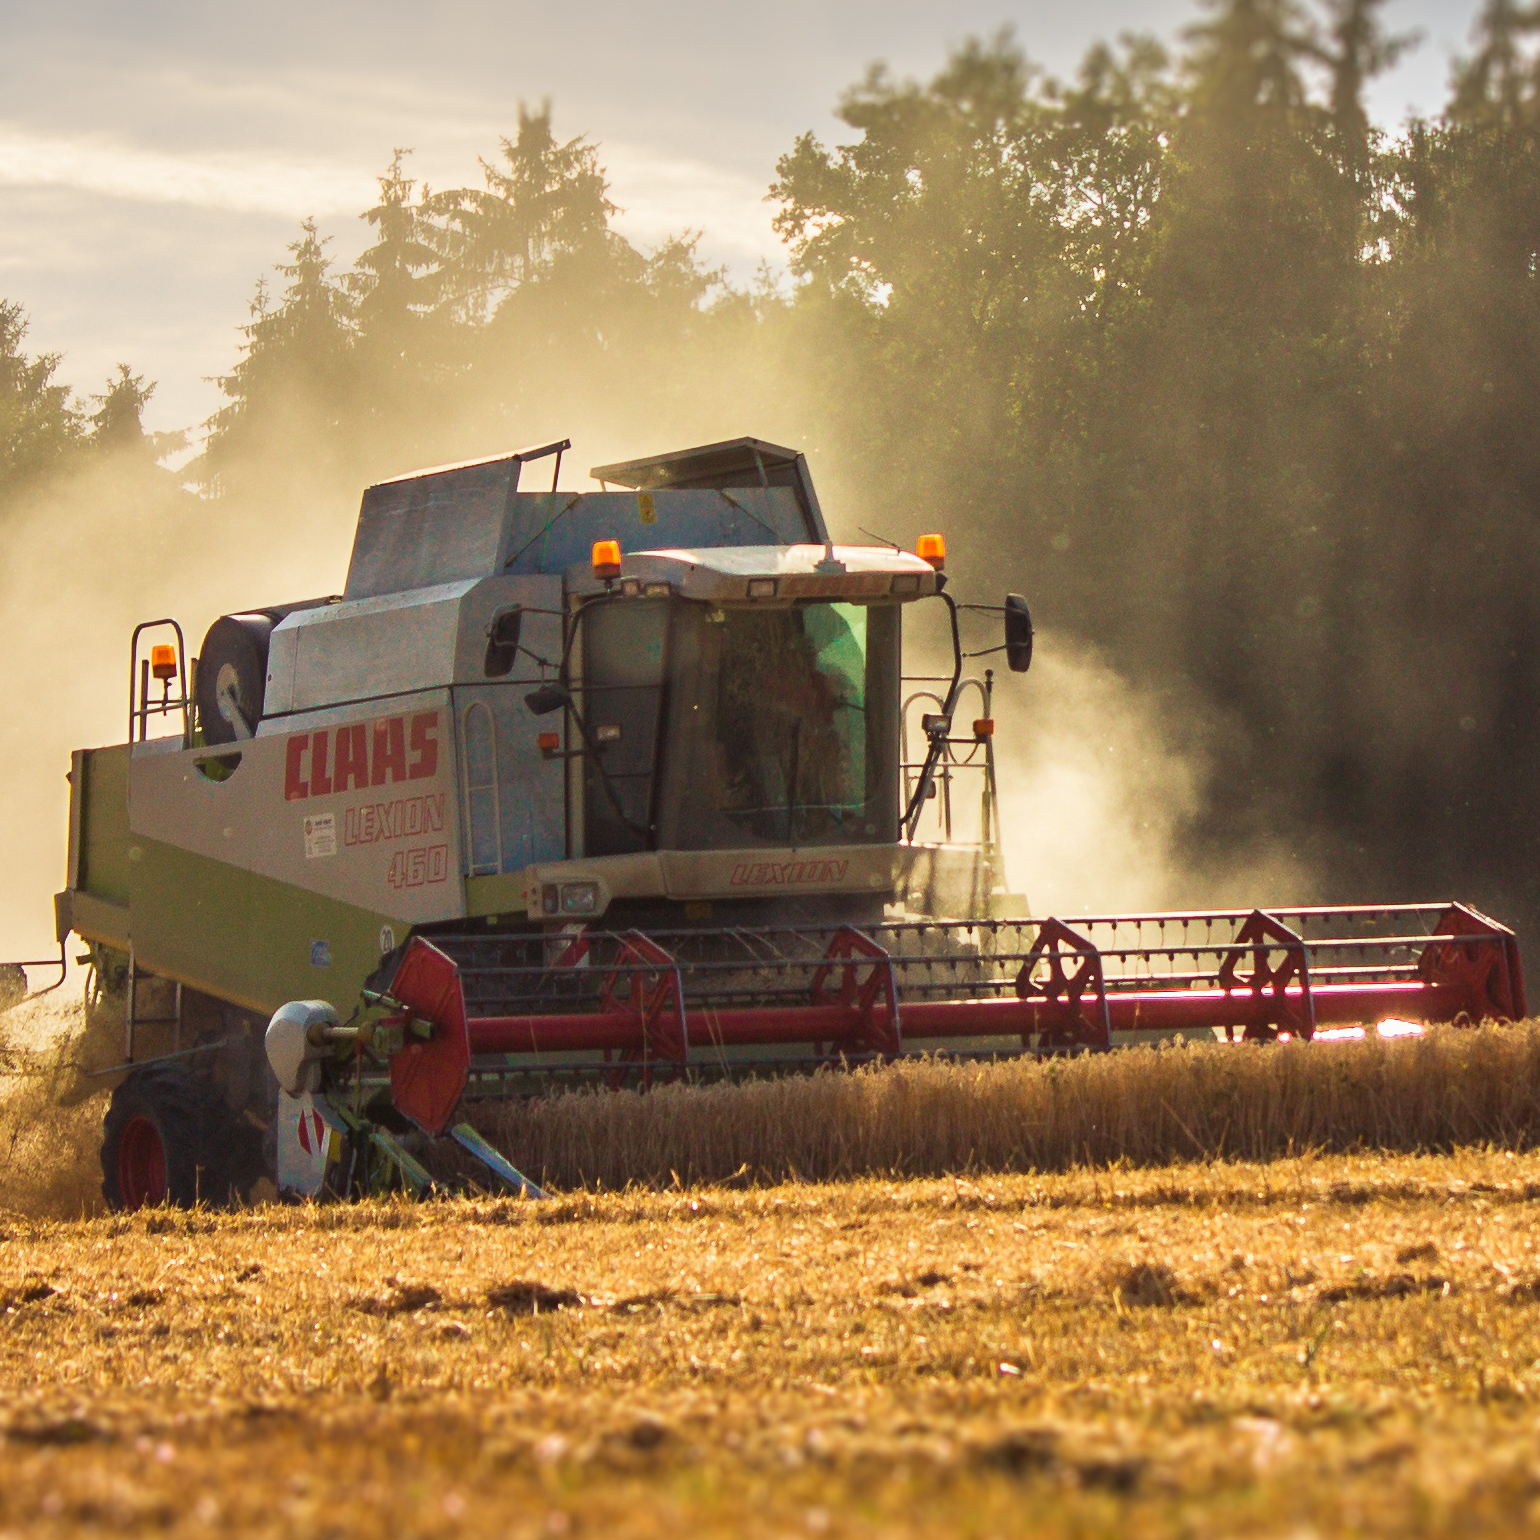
661 195
236 183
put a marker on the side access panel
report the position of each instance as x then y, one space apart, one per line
515 797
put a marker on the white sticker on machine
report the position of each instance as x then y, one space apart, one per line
320 835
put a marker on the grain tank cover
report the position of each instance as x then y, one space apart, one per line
434 526
468 521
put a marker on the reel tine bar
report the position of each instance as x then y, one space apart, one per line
1272 1010
1066 1021
851 951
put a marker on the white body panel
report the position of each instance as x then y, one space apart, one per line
358 807
362 649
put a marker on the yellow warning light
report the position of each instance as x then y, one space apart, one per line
606 559
983 727
932 548
163 661
549 742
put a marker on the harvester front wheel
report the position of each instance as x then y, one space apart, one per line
161 1141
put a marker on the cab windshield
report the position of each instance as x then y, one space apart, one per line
782 727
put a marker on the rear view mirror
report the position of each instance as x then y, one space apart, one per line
548 698
502 642
1018 634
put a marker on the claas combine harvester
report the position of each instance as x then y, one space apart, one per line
621 785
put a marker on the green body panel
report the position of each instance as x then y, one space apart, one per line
101 796
245 938
507 893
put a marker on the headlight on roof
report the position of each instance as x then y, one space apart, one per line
761 588
906 583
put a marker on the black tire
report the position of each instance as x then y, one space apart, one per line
231 684
250 1089
165 1140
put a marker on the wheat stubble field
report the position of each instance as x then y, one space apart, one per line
1312 1344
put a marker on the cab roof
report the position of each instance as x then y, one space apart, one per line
733 463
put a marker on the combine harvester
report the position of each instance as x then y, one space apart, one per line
614 785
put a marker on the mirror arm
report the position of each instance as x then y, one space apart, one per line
938 734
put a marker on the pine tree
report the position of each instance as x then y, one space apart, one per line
293 383
117 425
1359 49
118 421
405 352
1239 199
542 198
389 285
310 332
39 427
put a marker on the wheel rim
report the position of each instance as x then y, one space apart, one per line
141 1164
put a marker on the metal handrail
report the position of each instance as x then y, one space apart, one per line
139 704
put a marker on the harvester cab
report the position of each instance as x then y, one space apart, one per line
610 784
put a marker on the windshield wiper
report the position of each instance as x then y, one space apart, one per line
791 784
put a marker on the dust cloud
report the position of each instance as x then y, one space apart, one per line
1106 787
87 558
1103 789
51 1106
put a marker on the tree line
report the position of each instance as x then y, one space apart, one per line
1239 386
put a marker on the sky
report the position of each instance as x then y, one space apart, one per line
157 156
